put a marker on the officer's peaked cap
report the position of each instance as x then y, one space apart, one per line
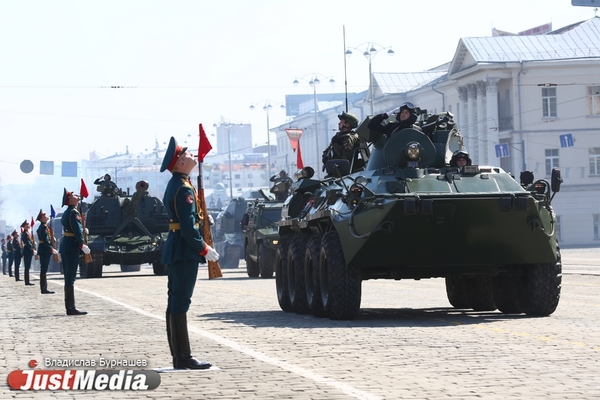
65 199
173 152
40 215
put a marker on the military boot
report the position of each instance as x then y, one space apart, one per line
70 302
44 284
169 337
181 348
27 281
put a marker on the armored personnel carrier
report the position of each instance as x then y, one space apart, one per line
125 229
228 233
260 232
410 215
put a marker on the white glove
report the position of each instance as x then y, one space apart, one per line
87 232
54 251
35 252
85 249
212 254
211 221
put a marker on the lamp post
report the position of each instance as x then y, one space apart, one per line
266 106
371 50
314 82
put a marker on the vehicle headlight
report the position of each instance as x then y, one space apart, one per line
361 180
413 151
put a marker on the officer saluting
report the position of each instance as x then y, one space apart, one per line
71 248
184 249
45 249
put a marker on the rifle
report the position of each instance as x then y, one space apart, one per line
86 257
51 234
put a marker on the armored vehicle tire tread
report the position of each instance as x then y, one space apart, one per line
340 285
481 293
457 290
251 266
543 284
311 273
295 267
266 261
506 294
231 257
160 269
281 284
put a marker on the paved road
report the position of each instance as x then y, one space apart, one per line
407 343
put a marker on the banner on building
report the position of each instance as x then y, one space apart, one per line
294 136
46 167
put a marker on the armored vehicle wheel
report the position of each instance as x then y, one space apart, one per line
540 288
266 261
131 267
340 285
251 266
311 275
281 283
160 269
481 293
457 290
231 256
506 294
295 271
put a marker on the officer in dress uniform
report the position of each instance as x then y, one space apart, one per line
4 256
71 248
184 249
45 250
17 254
11 254
27 240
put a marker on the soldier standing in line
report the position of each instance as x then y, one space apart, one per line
17 255
71 248
45 250
4 256
11 258
184 249
28 252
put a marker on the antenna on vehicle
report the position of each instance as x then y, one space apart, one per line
345 73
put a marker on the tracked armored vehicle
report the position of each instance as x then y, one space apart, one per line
125 229
410 215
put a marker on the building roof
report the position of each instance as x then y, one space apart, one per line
580 40
391 83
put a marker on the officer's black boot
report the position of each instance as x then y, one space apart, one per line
10 274
70 302
169 337
183 354
27 282
44 284
17 279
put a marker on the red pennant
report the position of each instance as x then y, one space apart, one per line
32 222
83 191
204 146
299 162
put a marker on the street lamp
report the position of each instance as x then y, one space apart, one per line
371 50
314 82
228 126
266 106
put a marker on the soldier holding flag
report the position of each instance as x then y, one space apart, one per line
184 249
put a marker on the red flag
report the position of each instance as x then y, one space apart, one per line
83 191
204 146
299 162
32 222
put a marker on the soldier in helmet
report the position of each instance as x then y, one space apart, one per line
106 186
405 118
344 142
460 158
287 184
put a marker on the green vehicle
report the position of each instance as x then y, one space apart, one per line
125 229
261 236
410 215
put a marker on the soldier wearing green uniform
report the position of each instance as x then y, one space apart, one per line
17 255
45 250
11 255
344 142
71 248
27 240
184 249
4 256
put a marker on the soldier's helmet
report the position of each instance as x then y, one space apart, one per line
460 154
351 119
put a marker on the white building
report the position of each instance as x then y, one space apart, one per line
537 96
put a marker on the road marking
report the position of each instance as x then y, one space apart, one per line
308 374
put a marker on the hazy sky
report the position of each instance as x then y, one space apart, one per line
183 62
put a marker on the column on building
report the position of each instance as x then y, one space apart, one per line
482 142
463 112
493 122
473 140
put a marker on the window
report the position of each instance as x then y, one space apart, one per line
596 226
551 160
594 160
549 102
593 99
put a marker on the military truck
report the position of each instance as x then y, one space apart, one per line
228 233
410 215
125 229
260 231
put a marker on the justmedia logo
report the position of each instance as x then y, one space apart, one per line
82 379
